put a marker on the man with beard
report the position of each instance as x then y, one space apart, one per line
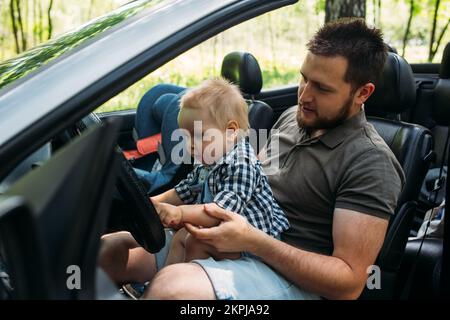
338 183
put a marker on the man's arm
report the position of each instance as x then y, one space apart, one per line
357 240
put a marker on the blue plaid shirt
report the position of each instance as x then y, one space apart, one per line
237 183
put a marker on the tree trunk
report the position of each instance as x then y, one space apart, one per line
49 16
335 9
376 4
14 25
41 23
438 42
374 8
27 21
379 14
21 28
431 52
2 34
272 44
34 23
408 26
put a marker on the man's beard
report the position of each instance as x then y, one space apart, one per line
321 123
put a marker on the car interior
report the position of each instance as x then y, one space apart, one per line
409 109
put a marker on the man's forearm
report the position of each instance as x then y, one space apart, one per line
194 214
327 276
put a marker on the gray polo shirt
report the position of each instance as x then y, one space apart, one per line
348 167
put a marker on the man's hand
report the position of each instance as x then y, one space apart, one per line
171 216
233 234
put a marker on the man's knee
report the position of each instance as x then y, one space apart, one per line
181 281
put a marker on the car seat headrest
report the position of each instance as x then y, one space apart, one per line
391 48
444 70
441 98
441 102
396 90
242 69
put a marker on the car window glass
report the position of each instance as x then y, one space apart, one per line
272 38
31 57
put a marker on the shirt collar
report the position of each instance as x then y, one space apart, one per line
337 135
239 151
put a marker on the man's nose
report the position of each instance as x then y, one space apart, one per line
304 93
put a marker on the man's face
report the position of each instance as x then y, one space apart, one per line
324 98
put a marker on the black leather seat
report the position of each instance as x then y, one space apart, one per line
425 283
413 147
243 69
438 117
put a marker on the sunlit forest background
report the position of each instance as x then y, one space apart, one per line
417 29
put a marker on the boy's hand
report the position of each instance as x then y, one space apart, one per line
171 216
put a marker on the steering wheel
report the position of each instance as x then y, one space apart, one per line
143 220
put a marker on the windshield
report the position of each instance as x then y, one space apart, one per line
23 64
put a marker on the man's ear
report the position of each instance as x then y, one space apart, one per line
363 93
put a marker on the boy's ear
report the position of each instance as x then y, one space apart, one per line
232 125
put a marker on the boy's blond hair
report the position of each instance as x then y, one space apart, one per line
222 99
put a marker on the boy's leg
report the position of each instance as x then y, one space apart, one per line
195 249
149 117
177 249
124 260
146 121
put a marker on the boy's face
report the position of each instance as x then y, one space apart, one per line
207 142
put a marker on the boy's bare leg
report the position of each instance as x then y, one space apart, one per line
124 260
177 249
195 249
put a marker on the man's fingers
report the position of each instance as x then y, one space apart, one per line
215 211
200 233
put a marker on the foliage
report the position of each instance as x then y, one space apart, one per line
276 39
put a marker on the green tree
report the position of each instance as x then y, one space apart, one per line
436 42
413 10
335 9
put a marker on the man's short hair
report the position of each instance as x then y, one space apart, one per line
362 46
222 99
